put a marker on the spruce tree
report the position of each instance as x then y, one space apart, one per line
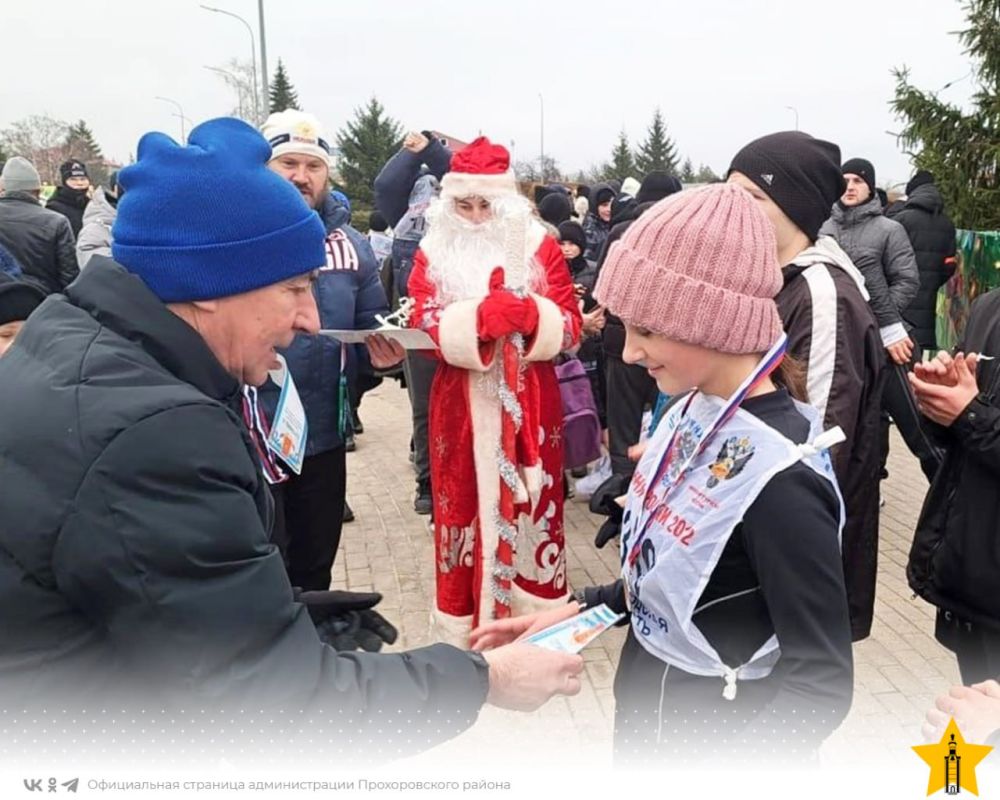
622 161
283 94
961 149
706 175
687 172
366 143
81 145
658 153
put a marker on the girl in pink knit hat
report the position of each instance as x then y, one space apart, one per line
739 643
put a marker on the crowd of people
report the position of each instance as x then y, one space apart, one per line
728 358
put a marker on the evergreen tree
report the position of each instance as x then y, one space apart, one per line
366 143
622 161
706 175
961 149
658 152
81 144
283 94
687 172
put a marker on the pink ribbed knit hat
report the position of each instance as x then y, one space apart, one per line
700 267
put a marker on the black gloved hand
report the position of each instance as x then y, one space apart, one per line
608 531
347 621
602 502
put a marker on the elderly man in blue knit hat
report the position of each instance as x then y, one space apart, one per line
134 518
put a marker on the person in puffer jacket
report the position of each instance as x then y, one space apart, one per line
857 223
95 235
310 505
932 235
597 223
892 280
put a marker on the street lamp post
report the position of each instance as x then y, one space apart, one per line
263 54
253 56
795 111
180 113
541 111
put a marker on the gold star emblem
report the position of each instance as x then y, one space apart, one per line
952 762
305 129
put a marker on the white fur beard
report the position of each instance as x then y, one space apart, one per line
461 256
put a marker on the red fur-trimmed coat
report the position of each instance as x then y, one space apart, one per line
464 426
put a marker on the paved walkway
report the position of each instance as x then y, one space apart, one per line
898 670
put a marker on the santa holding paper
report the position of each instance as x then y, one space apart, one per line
494 292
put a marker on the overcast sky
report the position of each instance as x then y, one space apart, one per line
722 71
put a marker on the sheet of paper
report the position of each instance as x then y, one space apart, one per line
575 633
408 338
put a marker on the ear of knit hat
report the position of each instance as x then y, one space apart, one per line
699 267
863 168
799 173
209 219
20 175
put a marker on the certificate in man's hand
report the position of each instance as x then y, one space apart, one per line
408 338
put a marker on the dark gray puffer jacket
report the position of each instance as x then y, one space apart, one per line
863 231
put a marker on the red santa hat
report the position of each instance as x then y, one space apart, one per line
481 169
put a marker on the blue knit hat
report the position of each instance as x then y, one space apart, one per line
210 219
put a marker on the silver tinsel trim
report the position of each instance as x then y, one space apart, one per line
506 531
508 472
500 594
504 572
509 402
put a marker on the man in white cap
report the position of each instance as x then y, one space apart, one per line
349 294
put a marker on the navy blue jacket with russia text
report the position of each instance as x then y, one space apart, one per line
348 295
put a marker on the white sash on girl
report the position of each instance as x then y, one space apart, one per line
685 535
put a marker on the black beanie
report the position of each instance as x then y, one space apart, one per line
571 231
540 193
602 193
377 223
582 190
799 173
17 299
73 169
555 208
657 185
921 178
864 169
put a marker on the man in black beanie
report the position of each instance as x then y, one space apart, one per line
932 234
71 198
831 332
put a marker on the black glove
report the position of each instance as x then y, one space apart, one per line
602 502
608 531
347 621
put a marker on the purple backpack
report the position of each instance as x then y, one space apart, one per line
581 426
